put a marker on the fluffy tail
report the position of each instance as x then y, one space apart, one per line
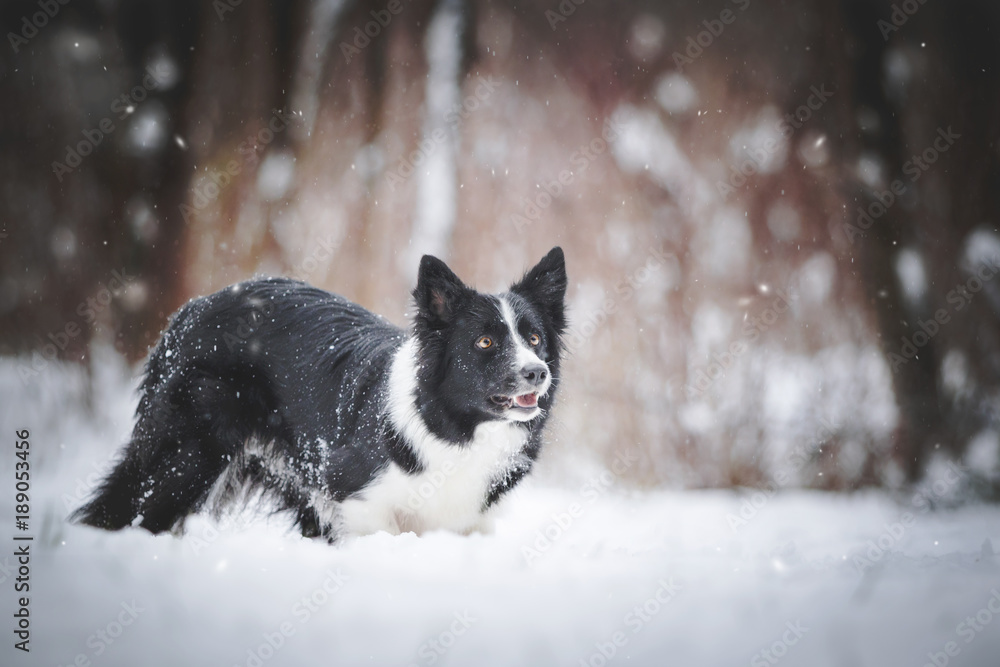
116 502
154 487
200 403
176 455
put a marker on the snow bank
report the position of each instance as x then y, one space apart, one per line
592 574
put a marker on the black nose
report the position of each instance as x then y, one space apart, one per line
536 375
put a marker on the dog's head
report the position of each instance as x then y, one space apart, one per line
489 357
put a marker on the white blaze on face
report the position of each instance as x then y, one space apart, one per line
524 356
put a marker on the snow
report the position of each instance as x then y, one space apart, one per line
676 93
148 129
814 149
761 140
955 375
723 243
711 327
870 170
983 453
577 561
275 176
816 278
63 243
644 144
168 73
912 275
784 221
982 246
647 33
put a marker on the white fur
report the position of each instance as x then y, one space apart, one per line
525 355
227 487
449 494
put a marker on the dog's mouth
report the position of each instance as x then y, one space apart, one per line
521 402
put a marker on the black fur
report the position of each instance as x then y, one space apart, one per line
304 373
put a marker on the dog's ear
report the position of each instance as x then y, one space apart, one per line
438 292
545 286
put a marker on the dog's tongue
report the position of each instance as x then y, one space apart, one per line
526 400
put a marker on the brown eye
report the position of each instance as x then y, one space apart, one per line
534 340
485 343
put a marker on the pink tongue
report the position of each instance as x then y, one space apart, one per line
526 400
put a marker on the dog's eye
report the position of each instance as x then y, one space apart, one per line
535 340
485 343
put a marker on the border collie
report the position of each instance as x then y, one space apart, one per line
275 390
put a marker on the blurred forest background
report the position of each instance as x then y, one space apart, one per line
780 218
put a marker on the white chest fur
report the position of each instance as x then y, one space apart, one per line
449 493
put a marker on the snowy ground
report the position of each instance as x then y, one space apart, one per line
650 577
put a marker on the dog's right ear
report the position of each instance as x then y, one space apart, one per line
437 293
545 285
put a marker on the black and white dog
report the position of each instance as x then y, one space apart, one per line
272 389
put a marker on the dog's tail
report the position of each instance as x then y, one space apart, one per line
176 453
116 502
165 475
153 488
200 404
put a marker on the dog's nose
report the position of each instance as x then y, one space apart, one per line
535 375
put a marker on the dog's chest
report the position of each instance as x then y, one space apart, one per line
450 491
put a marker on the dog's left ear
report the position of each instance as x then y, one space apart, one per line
545 286
437 293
